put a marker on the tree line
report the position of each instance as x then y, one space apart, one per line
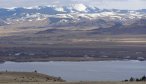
143 78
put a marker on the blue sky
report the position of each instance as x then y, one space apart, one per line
118 4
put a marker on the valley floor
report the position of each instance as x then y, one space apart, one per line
43 54
72 47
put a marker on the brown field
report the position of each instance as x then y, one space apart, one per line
75 83
37 78
12 77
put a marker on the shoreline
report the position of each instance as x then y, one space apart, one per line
1 62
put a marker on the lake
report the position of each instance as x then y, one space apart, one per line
83 71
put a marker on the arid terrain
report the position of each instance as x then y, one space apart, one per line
46 34
37 78
10 77
87 52
77 83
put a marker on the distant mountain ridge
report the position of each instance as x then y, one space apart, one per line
75 15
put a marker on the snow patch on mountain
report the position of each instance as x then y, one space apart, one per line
79 7
59 9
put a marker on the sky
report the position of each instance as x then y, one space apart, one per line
108 4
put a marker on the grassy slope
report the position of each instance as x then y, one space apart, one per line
37 78
10 77
77 83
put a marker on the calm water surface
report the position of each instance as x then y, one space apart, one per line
83 71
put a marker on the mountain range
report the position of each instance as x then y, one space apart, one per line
76 17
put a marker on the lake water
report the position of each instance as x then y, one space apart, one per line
83 71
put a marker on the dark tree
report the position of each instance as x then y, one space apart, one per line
143 78
35 71
131 79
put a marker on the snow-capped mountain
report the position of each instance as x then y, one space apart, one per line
72 15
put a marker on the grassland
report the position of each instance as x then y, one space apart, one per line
37 78
74 83
12 77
